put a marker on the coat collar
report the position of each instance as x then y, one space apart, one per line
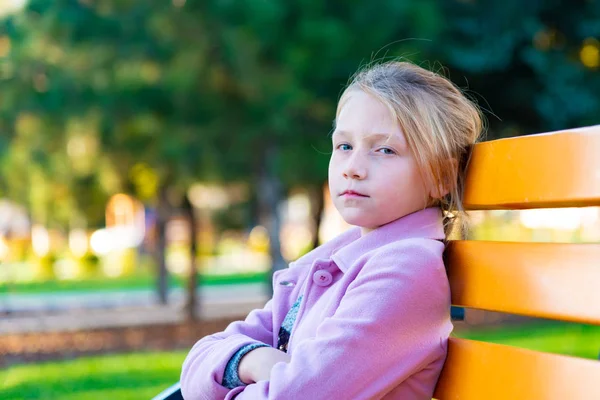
349 246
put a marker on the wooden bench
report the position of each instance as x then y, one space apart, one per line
558 281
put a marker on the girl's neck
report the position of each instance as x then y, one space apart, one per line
364 231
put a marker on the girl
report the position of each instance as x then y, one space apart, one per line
367 314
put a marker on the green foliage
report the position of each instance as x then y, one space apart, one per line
108 96
121 263
88 265
525 61
44 267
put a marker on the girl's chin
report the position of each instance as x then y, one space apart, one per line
365 220
361 220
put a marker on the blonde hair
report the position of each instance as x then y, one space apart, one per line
439 122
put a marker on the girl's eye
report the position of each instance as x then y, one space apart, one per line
344 146
387 150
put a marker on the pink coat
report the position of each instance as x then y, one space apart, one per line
373 324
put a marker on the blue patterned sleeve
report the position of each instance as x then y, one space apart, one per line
231 378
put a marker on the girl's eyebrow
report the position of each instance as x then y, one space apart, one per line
372 136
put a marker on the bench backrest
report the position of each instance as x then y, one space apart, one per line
558 281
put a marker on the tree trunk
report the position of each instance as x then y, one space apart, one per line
162 216
191 301
270 195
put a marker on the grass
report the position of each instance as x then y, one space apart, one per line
552 337
143 375
136 282
127 376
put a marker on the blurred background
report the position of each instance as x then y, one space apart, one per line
160 158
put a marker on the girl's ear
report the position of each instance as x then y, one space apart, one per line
441 189
438 193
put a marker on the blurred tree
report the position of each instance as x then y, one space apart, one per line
535 65
118 102
283 67
146 96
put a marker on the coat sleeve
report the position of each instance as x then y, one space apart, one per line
391 323
204 367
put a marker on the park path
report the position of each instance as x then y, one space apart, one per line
70 300
110 309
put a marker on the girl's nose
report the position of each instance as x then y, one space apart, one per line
355 169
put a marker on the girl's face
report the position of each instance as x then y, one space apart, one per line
373 176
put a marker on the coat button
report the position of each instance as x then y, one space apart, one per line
322 278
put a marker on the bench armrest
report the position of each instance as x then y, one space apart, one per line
171 393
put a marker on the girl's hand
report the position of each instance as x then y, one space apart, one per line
256 364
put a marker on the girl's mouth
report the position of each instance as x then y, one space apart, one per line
352 193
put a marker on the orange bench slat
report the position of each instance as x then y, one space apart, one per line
549 280
477 370
558 169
